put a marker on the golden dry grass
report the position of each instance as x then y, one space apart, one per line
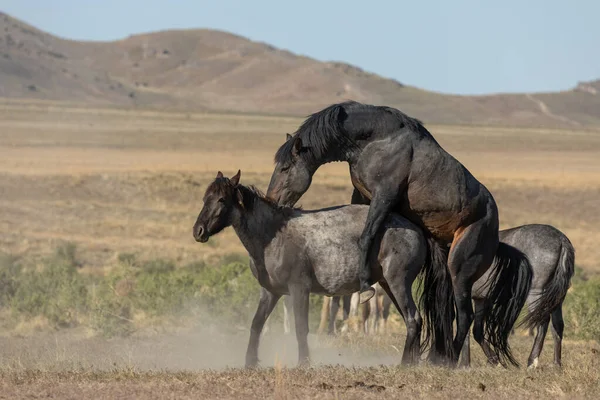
115 181
131 181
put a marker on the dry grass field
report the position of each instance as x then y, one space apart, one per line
113 180
197 364
131 181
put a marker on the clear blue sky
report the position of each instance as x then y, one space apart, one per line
451 46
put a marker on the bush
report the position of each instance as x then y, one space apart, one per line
581 310
158 288
57 292
9 275
115 304
111 305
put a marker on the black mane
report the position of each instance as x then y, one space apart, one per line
325 137
318 133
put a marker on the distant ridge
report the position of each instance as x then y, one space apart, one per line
212 70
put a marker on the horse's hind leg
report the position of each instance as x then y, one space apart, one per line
400 293
538 344
465 354
558 326
478 333
470 256
300 299
266 304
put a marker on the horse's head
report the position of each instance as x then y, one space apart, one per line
220 199
292 175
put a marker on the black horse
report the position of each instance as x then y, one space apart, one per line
397 165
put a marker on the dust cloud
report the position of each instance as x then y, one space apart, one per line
199 348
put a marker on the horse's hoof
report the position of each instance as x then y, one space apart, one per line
533 364
366 295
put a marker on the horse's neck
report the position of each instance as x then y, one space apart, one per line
257 226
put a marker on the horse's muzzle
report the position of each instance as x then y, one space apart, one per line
200 234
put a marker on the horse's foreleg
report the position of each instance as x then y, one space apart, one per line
325 309
365 313
287 309
266 304
346 306
372 317
381 205
300 298
335 305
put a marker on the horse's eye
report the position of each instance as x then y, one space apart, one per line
283 169
221 200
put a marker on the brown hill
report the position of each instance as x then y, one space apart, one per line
213 70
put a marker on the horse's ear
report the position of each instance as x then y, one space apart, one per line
288 137
297 146
219 174
236 178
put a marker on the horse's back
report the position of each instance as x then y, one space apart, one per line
327 243
345 222
441 195
542 244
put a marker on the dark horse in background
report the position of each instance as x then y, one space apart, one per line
397 165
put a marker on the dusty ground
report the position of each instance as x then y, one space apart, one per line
207 364
117 181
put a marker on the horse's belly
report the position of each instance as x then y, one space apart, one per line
335 278
333 289
442 225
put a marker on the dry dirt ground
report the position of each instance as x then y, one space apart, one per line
115 181
205 363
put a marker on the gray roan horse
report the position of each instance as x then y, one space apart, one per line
552 258
299 252
397 165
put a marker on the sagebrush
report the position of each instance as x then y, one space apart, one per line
133 292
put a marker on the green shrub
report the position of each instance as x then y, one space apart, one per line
111 311
227 290
10 272
581 310
57 291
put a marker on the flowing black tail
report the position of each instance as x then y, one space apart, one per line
510 284
554 294
437 303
